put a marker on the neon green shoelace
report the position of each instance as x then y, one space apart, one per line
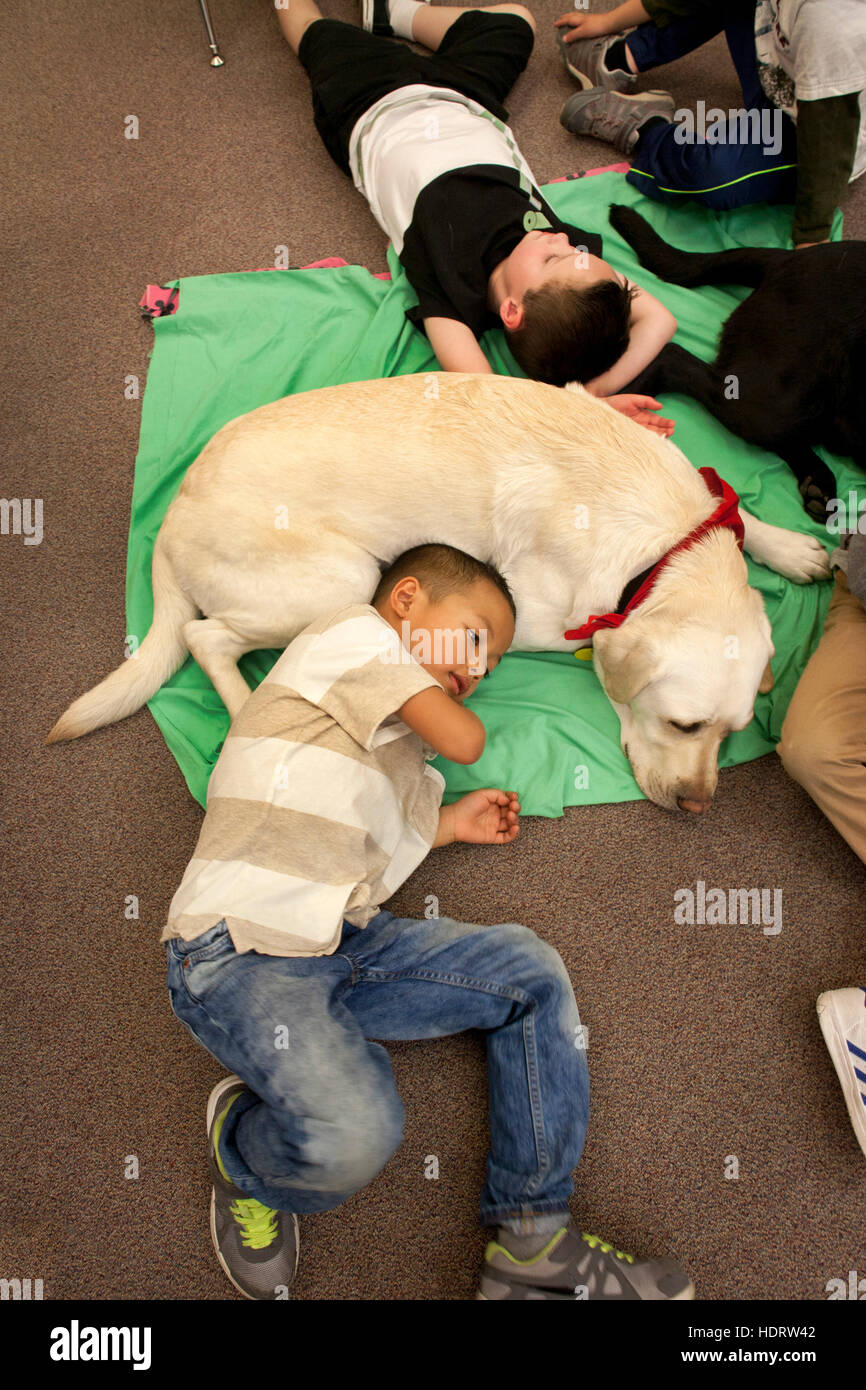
593 1241
259 1222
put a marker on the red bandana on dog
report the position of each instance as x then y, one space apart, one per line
725 515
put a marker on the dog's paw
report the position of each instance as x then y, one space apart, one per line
816 497
799 557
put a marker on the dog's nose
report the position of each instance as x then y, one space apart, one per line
696 806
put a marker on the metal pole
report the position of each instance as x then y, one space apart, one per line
216 60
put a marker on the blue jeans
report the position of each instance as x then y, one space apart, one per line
725 175
322 1115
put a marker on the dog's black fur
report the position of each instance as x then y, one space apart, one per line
797 348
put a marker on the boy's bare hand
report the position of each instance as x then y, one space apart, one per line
486 817
640 409
582 26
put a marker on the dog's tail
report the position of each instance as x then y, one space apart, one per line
746 265
159 656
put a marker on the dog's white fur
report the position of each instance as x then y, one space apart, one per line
567 497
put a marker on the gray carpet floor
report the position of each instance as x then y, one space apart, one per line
703 1041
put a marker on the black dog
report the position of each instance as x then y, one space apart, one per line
796 349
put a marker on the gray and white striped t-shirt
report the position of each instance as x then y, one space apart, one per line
321 802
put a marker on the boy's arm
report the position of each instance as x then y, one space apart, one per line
661 12
456 348
453 731
590 26
488 816
651 326
446 831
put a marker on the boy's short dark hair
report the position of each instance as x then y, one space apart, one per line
441 570
571 334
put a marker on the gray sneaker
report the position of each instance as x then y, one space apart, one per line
256 1245
613 117
576 1266
584 60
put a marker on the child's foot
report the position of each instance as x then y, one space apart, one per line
842 1015
613 117
376 18
573 1265
256 1245
585 60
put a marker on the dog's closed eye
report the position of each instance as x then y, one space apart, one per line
687 728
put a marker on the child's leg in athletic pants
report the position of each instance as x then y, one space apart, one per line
650 47
755 163
322 1115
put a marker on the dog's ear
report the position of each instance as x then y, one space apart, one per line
766 680
627 661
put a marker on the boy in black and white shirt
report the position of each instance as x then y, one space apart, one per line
425 139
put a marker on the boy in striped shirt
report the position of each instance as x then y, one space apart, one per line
283 964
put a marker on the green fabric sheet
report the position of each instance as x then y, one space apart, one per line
241 340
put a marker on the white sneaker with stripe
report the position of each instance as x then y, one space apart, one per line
842 1015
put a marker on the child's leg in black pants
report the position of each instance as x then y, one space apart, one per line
429 27
477 51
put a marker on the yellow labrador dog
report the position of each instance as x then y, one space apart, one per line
289 511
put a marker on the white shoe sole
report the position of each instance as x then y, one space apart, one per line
834 1037
367 10
625 86
216 1096
687 1294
